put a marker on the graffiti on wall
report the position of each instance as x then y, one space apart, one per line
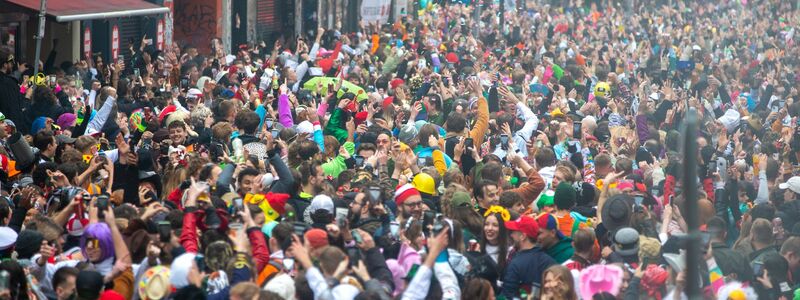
195 22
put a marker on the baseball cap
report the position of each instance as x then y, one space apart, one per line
549 222
792 184
525 224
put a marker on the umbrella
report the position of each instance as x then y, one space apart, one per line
311 85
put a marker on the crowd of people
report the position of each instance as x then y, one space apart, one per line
459 153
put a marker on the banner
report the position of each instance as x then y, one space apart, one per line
168 24
87 44
160 35
375 10
114 42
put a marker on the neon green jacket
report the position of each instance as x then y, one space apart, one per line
337 165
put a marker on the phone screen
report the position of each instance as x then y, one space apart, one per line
577 132
504 139
359 160
341 215
421 161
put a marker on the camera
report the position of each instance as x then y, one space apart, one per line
300 228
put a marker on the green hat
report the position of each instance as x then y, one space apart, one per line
546 199
460 199
565 196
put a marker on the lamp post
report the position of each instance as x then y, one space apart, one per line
40 36
693 251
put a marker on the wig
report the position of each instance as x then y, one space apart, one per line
102 233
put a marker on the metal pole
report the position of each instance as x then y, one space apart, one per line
39 36
693 251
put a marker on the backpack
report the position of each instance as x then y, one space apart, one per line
273 268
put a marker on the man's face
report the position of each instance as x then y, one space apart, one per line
3 132
248 184
518 238
53 145
383 142
547 238
357 205
412 207
490 196
66 289
319 178
518 208
558 177
366 153
793 259
177 135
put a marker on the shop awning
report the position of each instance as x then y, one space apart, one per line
80 10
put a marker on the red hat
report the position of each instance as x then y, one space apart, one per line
404 192
233 70
388 101
361 117
525 224
451 58
317 238
325 64
164 113
111 295
395 83
277 201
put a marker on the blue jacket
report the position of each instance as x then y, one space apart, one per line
525 269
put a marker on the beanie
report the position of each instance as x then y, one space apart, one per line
28 243
317 238
565 196
403 192
407 134
179 270
546 199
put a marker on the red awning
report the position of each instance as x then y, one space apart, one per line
78 10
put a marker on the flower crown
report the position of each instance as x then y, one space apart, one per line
496 209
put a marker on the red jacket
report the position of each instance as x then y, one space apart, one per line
189 232
189 238
258 247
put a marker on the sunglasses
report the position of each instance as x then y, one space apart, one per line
92 244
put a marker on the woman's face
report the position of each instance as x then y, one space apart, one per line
491 229
93 250
554 285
